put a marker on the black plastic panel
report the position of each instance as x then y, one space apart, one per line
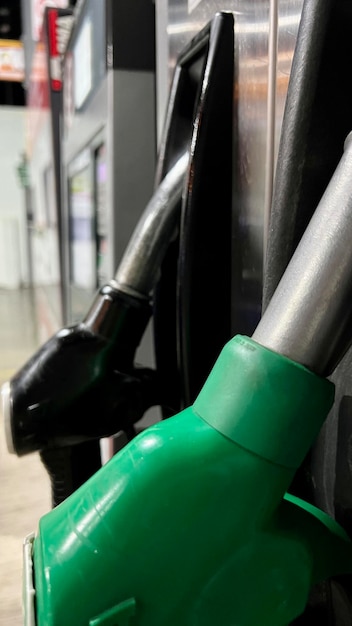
192 299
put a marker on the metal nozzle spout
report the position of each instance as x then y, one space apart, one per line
139 267
307 317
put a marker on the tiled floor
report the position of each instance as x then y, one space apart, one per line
25 321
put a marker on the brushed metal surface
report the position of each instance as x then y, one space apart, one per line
263 61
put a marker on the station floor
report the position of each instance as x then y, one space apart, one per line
26 320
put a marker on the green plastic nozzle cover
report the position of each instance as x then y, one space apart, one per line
189 524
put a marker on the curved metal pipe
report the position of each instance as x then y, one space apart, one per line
139 268
309 311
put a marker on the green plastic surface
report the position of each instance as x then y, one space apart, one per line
191 526
286 402
120 614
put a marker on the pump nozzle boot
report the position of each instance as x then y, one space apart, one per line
82 384
187 524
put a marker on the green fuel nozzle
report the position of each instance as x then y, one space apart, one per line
191 524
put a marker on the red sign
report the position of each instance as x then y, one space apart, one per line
38 7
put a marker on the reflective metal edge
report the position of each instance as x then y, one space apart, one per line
6 412
28 582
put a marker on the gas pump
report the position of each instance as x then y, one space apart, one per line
191 522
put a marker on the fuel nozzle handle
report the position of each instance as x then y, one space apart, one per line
307 318
82 384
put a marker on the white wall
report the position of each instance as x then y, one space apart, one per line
13 238
44 236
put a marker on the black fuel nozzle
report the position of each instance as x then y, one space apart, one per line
82 384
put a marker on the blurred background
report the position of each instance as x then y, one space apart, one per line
24 485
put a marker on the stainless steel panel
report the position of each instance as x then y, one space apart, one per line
265 36
131 152
131 155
